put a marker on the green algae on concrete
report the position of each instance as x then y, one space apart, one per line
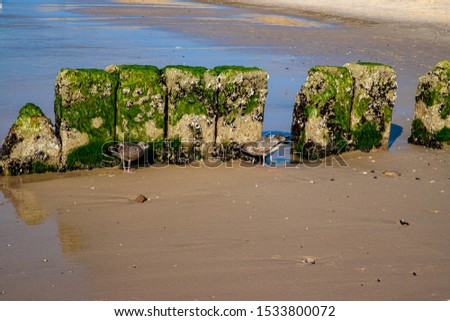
366 136
85 104
241 97
31 145
321 117
431 123
140 106
190 111
374 98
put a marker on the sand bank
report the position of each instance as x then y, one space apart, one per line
423 11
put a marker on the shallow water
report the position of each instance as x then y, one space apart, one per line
38 38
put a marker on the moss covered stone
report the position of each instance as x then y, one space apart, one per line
241 96
85 104
179 109
140 114
321 117
31 145
432 109
343 108
190 108
374 98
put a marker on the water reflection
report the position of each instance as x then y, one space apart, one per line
71 238
32 264
28 207
26 204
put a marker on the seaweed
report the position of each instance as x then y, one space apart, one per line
421 136
82 95
366 136
443 135
360 106
446 108
88 156
387 114
234 69
40 167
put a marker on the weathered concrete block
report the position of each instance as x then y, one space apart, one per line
241 97
322 110
84 114
190 112
431 124
140 103
374 98
31 145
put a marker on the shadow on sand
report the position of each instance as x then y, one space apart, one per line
396 131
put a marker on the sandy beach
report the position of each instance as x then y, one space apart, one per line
416 11
367 226
240 233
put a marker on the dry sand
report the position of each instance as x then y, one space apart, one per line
423 11
239 233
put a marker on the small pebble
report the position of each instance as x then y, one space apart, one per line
378 280
414 273
141 199
45 260
417 178
403 222
391 173
309 260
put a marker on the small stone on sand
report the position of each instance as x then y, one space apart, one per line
309 260
141 199
391 173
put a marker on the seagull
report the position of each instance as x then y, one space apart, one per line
128 151
266 146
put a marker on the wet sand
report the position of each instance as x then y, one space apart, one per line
248 233
240 233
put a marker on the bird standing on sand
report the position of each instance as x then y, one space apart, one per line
266 146
128 151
